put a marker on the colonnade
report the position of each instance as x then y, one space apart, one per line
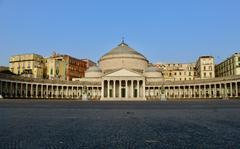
119 89
129 89
206 90
15 89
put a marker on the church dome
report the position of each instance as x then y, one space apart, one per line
123 48
152 69
123 56
94 69
153 72
93 72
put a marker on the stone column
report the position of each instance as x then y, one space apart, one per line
11 89
189 91
143 90
67 93
36 90
42 91
120 87
220 90
194 91
137 88
108 88
225 90
52 90
179 92
114 88
47 93
231 90
236 89
215 91
210 90
184 91
26 94
102 90
173 92
21 90
72 91
62 91
126 87
1 87
204 91
199 91
16 90
132 89
31 91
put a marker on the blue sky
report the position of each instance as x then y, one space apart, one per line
162 30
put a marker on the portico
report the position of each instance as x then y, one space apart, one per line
123 85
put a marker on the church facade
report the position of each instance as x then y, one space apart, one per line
121 74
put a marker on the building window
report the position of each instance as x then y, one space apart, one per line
204 68
205 74
210 67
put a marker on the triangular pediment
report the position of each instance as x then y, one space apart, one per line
123 73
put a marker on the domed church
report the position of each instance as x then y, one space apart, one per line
123 73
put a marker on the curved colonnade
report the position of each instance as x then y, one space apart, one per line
20 87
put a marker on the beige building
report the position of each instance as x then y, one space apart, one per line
177 71
205 67
229 67
56 67
30 65
125 74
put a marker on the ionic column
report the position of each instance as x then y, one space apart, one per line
114 88
215 90
194 91
31 91
42 91
21 90
52 91
184 91
204 91
132 88
67 94
210 90
102 90
108 88
137 88
143 90
57 92
225 90
1 87
26 94
173 91
231 92
179 92
11 89
199 91
36 90
236 89
47 91
16 90
126 86
72 91
120 86
220 87
62 90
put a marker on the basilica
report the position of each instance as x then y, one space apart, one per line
122 74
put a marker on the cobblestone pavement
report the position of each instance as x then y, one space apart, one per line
29 124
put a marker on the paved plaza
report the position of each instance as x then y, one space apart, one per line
55 124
